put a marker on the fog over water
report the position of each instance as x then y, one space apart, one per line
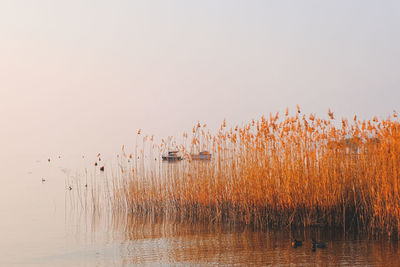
84 77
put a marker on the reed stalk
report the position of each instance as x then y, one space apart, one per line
296 170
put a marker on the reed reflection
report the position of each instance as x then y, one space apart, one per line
149 240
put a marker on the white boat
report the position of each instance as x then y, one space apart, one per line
202 155
172 156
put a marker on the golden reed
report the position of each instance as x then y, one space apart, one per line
296 170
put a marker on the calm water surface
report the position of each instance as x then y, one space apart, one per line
41 226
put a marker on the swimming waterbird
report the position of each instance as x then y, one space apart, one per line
318 244
297 243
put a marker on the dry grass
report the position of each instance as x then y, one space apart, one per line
291 171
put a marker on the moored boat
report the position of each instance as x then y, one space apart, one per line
203 155
172 156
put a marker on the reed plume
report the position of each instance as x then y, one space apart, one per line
292 171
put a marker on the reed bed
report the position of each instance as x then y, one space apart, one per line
297 170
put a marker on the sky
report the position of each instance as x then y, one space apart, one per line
84 76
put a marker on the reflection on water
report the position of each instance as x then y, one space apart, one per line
152 241
41 226
126 241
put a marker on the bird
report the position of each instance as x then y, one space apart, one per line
69 187
296 243
95 164
43 180
318 244
102 168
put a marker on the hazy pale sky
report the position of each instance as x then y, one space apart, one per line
85 75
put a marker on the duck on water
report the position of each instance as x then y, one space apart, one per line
318 245
296 243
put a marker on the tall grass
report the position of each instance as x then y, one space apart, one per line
298 170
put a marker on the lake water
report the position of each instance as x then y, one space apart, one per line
42 225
